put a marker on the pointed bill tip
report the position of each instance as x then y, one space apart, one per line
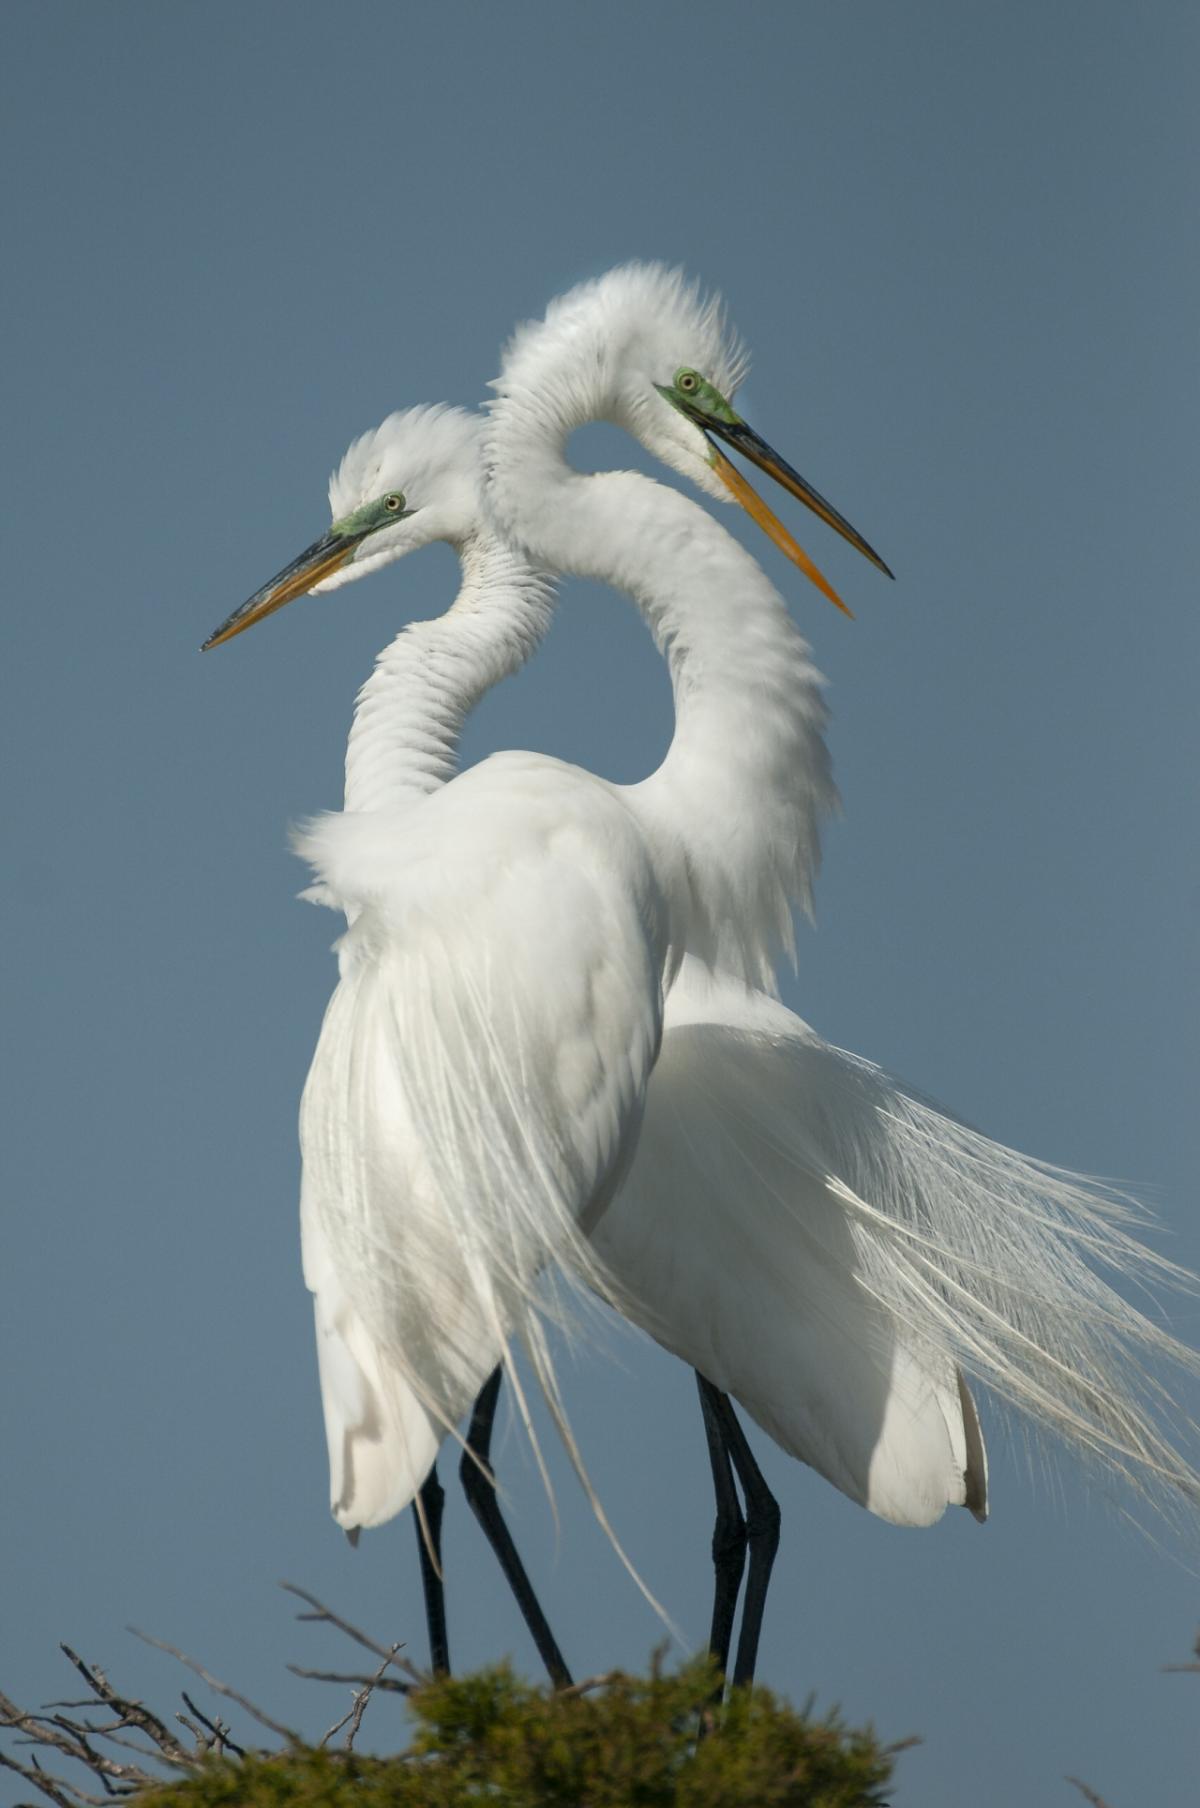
316 562
774 529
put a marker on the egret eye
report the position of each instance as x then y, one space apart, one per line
688 381
393 503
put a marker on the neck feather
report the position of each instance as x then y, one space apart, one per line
736 807
409 715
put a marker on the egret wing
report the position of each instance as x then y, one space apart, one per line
477 1088
730 1247
381 1440
855 1243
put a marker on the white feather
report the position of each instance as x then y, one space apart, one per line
813 1235
480 1074
829 1247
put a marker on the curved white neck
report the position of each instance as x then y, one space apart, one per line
736 805
409 715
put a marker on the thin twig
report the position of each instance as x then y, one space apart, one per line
358 1707
337 1725
217 1727
390 1684
132 1713
72 1738
321 1613
69 1739
221 1688
51 1787
586 1686
115 1737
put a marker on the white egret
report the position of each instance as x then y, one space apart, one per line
480 1076
799 1227
973 1250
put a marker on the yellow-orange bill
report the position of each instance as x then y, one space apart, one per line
774 529
301 576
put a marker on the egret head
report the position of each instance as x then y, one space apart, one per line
644 347
412 480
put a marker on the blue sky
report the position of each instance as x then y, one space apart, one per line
959 242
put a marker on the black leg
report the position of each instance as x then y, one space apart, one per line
432 1498
479 1484
762 1536
729 1531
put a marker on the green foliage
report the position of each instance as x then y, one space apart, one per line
493 1741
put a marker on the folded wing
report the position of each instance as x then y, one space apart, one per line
837 1248
475 1095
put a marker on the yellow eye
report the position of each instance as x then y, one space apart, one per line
688 381
393 503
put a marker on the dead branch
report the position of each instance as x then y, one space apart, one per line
80 1730
219 1739
219 1687
129 1713
51 1787
386 1684
72 1739
586 1686
358 1706
326 1615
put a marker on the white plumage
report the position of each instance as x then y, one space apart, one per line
480 1074
478 1085
734 811
810 1234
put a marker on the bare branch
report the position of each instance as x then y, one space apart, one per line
387 1684
131 1713
51 1787
219 1731
219 1687
114 1736
586 1686
69 1738
337 1725
325 1614
358 1706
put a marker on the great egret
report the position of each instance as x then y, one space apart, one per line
976 1251
479 1081
796 1224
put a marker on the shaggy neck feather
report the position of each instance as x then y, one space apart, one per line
737 803
409 715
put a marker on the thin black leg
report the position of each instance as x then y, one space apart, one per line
479 1485
432 1499
729 1530
762 1536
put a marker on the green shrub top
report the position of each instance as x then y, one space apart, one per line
492 1739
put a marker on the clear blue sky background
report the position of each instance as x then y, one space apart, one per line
961 241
